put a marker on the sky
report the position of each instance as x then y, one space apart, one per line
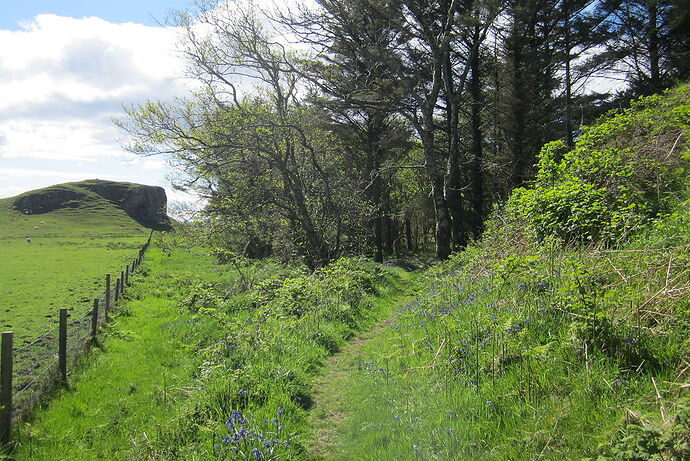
66 69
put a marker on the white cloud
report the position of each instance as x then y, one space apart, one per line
86 60
6 173
62 80
75 139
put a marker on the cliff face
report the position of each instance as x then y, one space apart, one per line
146 204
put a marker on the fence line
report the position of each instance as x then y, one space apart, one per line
21 388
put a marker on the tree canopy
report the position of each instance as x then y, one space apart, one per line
376 127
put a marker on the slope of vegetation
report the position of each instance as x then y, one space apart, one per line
564 332
71 250
561 334
208 361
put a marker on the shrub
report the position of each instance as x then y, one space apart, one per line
622 173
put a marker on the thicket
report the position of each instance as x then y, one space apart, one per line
372 127
622 173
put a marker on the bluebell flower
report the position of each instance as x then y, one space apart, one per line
259 456
630 341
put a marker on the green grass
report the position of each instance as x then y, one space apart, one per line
537 356
135 384
63 266
196 342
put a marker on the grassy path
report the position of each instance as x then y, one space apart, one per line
331 398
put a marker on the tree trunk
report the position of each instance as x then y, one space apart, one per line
476 178
453 181
653 43
442 218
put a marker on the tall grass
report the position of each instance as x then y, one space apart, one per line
557 336
208 361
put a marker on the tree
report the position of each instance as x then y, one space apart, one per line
647 41
258 157
355 87
529 35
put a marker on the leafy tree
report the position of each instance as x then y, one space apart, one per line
263 160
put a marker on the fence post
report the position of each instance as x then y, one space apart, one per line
107 296
107 292
94 319
6 357
124 279
62 347
117 289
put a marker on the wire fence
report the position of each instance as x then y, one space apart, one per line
30 372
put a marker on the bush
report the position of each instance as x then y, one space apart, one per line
622 173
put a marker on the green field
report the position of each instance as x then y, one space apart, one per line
62 266
70 252
191 345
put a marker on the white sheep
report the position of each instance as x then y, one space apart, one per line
43 222
36 228
28 240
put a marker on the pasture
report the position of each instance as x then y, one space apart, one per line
64 264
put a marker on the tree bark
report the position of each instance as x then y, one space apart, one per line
476 175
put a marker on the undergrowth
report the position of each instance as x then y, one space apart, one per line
257 377
249 336
564 332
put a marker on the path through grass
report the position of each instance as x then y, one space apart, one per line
332 392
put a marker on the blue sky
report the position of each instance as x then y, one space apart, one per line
66 69
147 12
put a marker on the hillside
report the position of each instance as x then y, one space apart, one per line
59 241
94 198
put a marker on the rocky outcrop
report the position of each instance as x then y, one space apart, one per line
46 200
146 204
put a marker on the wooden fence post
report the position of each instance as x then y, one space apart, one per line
94 319
117 289
62 347
124 279
107 296
6 357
